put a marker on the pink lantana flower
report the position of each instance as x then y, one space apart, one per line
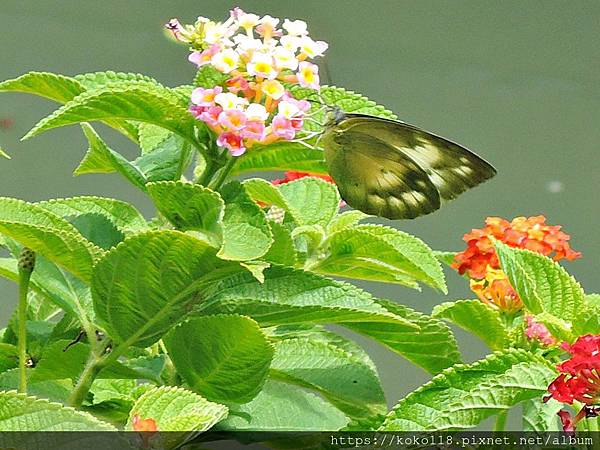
232 119
308 75
237 85
262 65
283 128
254 129
205 97
211 115
536 331
233 142
204 57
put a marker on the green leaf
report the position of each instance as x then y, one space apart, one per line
60 288
148 283
256 268
147 367
18 411
223 358
348 101
209 77
63 89
167 161
290 296
51 86
308 238
378 253
541 283
113 389
98 229
9 358
52 390
59 362
49 235
184 92
318 333
557 327
143 102
345 220
282 407
592 300
44 282
101 159
190 207
477 318
464 395
316 199
309 200
3 154
177 409
97 80
122 214
151 136
282 251
432 346
262 191
283 155
246 232
588 321
445 257
541 416
341 377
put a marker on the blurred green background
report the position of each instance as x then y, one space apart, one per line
516 81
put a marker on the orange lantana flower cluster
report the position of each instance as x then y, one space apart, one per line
480 262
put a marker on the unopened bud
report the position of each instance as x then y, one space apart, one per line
26 260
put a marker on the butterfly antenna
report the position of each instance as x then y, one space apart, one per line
318 140
313 120
305 144
307 137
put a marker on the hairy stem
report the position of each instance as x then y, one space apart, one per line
223 174
170 372
26 265
93 366
208 172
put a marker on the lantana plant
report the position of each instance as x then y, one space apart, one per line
212 314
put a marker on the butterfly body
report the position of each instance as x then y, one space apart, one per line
396 170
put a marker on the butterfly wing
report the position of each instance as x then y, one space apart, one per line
418 166
375 178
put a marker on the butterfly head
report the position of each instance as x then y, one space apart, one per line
335 115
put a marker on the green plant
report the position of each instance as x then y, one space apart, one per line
217 305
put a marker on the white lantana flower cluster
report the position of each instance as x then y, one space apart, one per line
253 104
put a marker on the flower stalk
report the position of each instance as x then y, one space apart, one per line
222 174
26 265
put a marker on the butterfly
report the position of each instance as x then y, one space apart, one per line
395 170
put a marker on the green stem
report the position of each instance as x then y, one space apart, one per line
185 154
170 372
93 366
26 265
208 172
223 174
501 421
